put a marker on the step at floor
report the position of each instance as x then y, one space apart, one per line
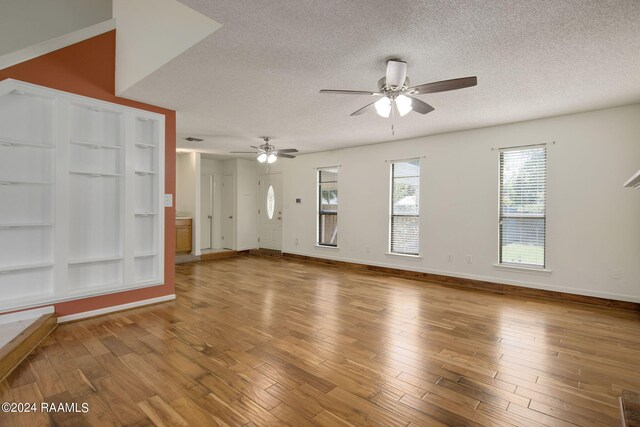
20 333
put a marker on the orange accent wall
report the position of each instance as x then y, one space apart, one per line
88 68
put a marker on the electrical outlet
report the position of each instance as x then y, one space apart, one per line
617 274
468 259
450 258
296 241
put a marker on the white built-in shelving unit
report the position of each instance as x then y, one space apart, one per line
81 182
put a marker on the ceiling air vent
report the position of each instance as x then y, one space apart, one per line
192 139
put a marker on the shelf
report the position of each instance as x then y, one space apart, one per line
141 145
24 183
95 145
147 282
146 255
634 181
105 288
96 174
143 173
5 226
94 260
8 142
26 267
145 213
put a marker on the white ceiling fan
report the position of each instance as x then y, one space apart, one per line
397 95
268 153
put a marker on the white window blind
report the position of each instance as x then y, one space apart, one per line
405 207
328 206
523 176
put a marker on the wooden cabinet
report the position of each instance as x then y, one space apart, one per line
183 236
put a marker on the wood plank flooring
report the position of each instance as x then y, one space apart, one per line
257 341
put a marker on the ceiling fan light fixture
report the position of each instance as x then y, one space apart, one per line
404 105
262 158
383 107
272 158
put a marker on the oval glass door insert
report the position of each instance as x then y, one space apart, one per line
271 202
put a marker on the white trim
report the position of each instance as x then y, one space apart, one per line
84 101
634 181
522 269
25 315
106 310
327 247
39 49
399 255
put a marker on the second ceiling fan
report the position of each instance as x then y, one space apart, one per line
268 153
396 94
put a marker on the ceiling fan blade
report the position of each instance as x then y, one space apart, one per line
396 73
420 106
443 86
350 92
288 150
243 152
363 109
253 146
286 156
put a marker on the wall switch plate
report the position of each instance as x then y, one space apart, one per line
168 200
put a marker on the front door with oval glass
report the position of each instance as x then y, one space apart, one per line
270 212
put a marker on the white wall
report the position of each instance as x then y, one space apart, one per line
593 223
24 23
152 33
185 184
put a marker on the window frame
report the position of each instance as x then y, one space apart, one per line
319 212
391 214
543 217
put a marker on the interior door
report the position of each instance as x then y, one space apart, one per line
228 221
270 212
206 211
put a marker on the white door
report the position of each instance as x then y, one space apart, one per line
227 212
270 212
206 211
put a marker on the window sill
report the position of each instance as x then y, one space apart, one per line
523 269
331 248
391 254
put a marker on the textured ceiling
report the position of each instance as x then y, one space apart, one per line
259 75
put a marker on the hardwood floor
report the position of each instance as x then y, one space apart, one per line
261 341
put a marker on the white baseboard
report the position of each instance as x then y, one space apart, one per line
106 310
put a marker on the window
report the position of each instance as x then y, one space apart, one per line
328 207
271 202
405 207
522 206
